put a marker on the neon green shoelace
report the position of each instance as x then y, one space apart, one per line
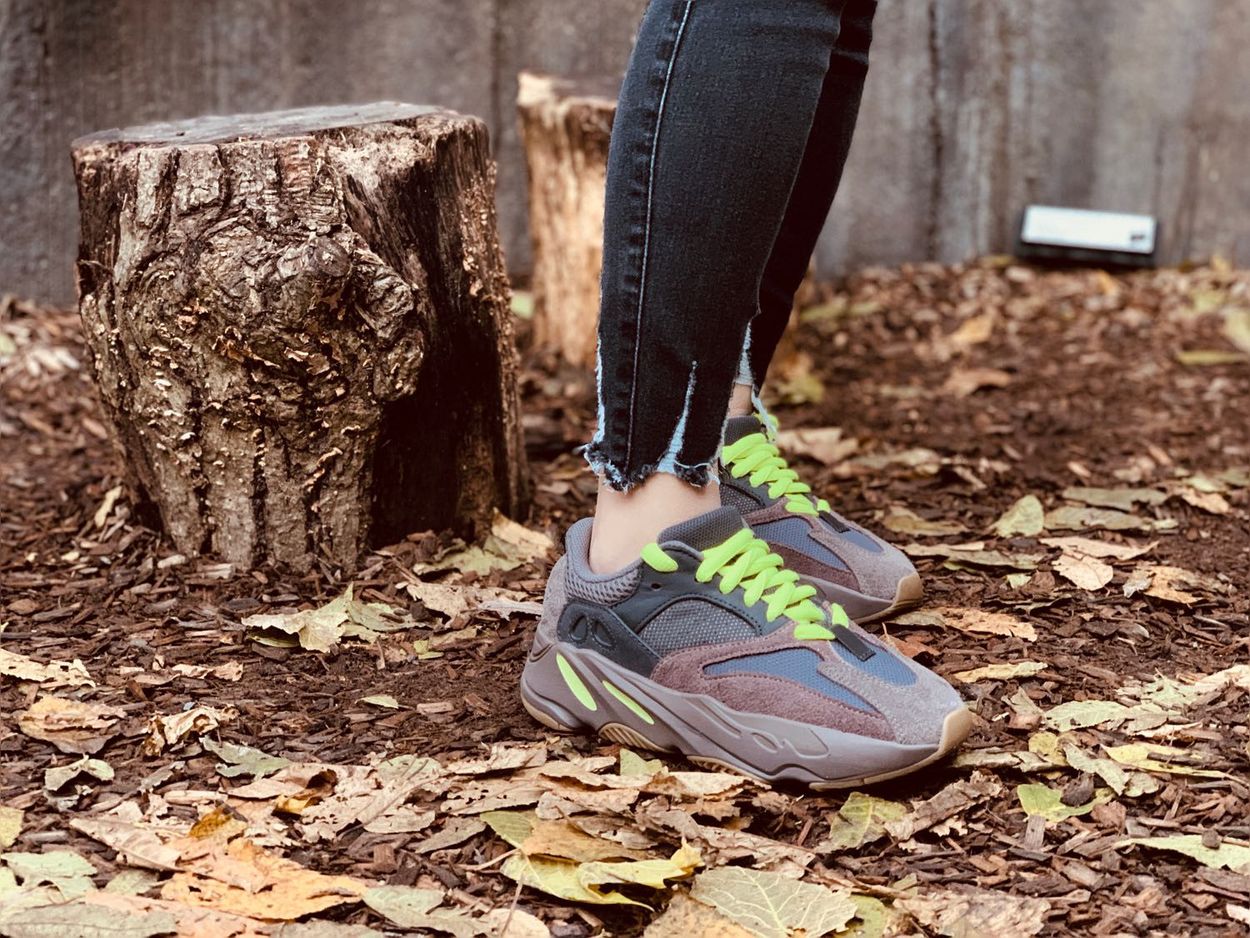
755 455
745 560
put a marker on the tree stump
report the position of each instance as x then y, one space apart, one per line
300 326
565 127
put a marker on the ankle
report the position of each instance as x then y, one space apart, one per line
625 522
741 401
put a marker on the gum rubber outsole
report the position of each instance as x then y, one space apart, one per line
956 727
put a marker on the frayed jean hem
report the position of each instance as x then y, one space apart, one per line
619 480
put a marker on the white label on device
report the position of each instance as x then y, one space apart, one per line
1081 228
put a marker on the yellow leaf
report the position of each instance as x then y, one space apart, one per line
512 826
1078 714
860 820
1023 519
276 888
1232 856
1237 327
10 826
1047 802
564 840
558 878
64 869
1152 757
381 700
1001 672
770 905
687 918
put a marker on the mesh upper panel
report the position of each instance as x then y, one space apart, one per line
690 622
793 664
733 496
882 665
706 530
738 427
582 583
795 533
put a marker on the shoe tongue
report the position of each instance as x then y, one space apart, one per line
738 427
705 531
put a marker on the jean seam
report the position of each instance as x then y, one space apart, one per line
646 237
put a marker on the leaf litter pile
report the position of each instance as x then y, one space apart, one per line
191 749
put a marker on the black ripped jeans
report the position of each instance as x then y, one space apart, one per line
734 122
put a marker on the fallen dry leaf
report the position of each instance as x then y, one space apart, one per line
72 726
1074 518
901 520
261 885
54 673
771 905
1089 573
971 912
971 620
10 825
1001 672
823 444
322 628
954 799
1023 519
689 918
169 730
860 820
974 555
1232 856
964 382
1124 499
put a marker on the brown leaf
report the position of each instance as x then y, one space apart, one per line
970 912
963 382
251 882
901 520
72 726
689 918
823 444
954 799
971 620
1089 573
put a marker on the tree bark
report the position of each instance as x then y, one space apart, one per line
565 127
300 327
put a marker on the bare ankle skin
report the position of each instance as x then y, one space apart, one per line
740 403
625 522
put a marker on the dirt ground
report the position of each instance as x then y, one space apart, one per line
1066 455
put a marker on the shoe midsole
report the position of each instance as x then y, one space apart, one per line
699 725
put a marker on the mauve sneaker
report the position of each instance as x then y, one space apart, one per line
869 578
709 646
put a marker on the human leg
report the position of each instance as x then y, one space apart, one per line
691 634
713 121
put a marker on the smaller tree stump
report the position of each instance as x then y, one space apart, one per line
565 128
566 125
300 326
